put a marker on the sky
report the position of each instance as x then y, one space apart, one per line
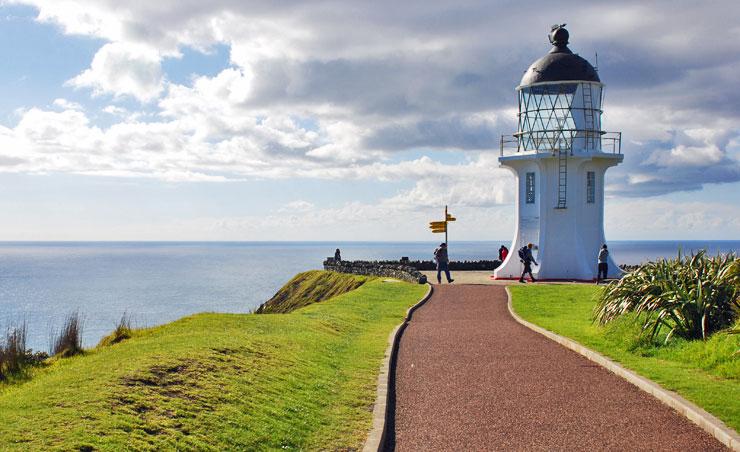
347 120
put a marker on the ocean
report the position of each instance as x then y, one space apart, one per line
157 282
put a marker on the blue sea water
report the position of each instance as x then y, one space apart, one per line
157 282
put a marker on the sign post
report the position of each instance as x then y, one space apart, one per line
439 227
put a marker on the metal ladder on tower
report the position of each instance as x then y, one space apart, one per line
588 116
562 177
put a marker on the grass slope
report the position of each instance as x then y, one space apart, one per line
705 372
304 380
310 287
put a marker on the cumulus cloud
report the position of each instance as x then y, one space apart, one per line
65 104
668 218
297 206
338 89
684 161
123 69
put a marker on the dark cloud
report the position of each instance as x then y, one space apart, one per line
682 163
453 133
392 87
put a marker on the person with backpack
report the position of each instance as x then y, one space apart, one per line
603 265
526 258
443 263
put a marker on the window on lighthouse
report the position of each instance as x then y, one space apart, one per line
530 188
546 120
590 187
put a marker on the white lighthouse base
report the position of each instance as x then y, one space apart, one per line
567 241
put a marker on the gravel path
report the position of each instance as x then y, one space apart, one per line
468 377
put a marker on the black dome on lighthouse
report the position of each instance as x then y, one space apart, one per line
560 64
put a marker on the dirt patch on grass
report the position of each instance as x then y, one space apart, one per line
166 397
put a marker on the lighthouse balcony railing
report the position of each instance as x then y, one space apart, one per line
550 141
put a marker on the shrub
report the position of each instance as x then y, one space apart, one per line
122 332
691 296
69 340
13 351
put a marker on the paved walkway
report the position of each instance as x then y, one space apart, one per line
467 277
469 377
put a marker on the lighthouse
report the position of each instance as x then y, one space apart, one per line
560 155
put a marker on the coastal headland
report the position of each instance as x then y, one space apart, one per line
301 373
300 380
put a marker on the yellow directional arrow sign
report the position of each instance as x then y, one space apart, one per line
437 224
450 217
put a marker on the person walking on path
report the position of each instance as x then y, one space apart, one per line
525 254
603 265
443 263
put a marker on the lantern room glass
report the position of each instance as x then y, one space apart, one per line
560 116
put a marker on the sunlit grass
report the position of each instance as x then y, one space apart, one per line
304 380
705 372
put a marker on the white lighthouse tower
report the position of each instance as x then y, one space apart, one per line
560 156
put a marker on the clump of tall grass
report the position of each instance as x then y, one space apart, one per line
13 351
68 341
123 331
691 296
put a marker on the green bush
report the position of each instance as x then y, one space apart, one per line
691 296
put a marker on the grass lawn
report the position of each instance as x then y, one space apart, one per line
304 380
705 372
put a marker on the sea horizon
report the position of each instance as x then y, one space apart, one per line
156 282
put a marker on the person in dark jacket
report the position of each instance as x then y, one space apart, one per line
527 259
443 263
603 263
338 255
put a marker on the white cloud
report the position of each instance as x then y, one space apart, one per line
115 110
334 89
123 69
657 219
65 104
371 221
297 206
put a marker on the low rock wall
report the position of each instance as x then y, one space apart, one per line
383 269
482 265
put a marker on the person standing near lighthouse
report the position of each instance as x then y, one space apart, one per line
527 259
603 263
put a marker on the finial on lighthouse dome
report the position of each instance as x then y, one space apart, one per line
560 64
559 35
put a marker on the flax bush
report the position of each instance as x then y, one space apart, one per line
691 296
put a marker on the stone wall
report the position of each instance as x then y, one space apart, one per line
481 265
383 269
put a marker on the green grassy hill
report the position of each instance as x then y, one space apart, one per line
310 287
304 380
